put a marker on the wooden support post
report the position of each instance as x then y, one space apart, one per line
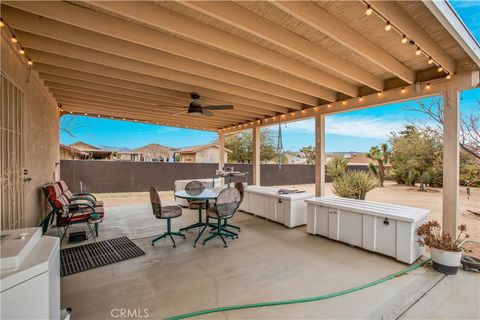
319 155
221 151
451 160
256 155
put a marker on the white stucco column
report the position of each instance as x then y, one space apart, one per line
451 160
221 150
319 155
256 155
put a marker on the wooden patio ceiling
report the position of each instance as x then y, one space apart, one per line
141 60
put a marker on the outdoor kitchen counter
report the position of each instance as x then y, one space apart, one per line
380 227
287 209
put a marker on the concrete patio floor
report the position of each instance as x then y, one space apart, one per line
268 262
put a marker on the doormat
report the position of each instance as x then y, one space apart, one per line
93 255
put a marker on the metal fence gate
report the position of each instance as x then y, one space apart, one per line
12 140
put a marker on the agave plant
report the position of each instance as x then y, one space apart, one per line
354 184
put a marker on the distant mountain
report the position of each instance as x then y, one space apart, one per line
155 150
114 148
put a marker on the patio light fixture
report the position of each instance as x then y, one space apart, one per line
14 40
389 26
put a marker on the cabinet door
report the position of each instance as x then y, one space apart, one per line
280 212
311 217
350 228
256 205
269 206
386 236
333 216
321 221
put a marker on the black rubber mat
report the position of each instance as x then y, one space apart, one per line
93 255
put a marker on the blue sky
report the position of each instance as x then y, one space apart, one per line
353 131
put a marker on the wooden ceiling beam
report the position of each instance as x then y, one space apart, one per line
138 96
80 109
97 107
132 32
51 29
138 104
400 19
244 19
161 18
99 72
89 55
316 17
66 76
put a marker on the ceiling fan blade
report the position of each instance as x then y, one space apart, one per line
179 107
181 112
207 113
219 107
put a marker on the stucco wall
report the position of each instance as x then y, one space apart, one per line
209 155
42 155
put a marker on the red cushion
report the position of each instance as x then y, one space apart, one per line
61 201
62 185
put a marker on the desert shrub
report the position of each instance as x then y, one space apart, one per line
336 167
354 184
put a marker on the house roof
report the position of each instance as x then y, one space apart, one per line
195 149
72 149
274 61
80 145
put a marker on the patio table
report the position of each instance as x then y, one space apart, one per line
206 195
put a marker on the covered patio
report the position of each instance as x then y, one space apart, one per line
274 62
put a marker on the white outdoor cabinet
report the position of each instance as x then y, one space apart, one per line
287 209
30 275
384 228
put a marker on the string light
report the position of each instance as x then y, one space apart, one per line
2 24
403 90
329 105
380 93
303 111
344 102
369 10
360 99
428 86
30 62
99 116
315 109
14 39
21 51
404 40
388 26
71 112
449 76
86 114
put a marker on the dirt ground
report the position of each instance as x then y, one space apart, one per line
390 193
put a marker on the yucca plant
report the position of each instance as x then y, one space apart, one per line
354 184
336 167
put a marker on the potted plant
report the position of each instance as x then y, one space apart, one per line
446 251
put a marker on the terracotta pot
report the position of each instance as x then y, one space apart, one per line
446 261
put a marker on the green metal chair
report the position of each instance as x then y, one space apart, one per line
195 188
165 212
225 207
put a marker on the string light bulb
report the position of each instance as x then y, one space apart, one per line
418 52
14 39
388 26
430 60
448 77
403 90
404 39
428 86
440 69
360 99
21 51
380 93
344 102
2 24
369 10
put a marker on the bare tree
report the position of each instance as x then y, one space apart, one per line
433 122
70 125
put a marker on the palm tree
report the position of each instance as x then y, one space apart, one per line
381 155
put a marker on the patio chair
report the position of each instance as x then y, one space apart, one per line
66 210
195 188
165 212
241 189
225 207
78 197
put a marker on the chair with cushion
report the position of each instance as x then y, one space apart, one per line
165 212
195 188
68 209
82 196
225 207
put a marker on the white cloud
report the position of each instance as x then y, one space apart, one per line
355 126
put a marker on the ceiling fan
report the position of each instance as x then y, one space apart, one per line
196 108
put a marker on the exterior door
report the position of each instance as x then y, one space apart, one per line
12 156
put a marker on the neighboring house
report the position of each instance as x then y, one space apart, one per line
69 153
207 153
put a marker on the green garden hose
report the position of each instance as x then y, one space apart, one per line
301 300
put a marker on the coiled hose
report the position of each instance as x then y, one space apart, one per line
301 300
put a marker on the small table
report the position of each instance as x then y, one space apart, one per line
206 195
